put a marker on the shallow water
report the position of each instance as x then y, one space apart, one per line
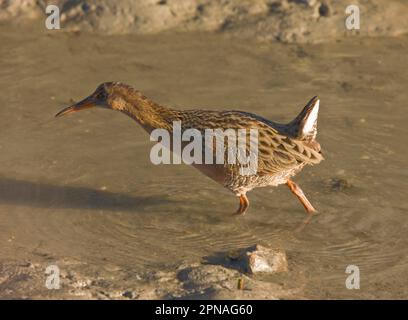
82 188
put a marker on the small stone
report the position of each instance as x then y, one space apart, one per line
324 10
339 184
266 260
129 294
82 283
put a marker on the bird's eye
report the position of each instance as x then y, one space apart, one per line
101 95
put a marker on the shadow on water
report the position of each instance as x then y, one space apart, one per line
43 195
222 258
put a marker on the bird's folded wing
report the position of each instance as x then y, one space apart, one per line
278 153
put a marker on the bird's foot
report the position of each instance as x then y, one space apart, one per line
301 196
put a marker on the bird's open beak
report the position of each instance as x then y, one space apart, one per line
84 104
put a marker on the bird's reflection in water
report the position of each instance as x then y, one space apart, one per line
305 222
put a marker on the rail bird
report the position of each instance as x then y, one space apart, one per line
283 149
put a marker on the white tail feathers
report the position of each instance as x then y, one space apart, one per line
310 122
305 124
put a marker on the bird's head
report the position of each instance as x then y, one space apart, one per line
103 96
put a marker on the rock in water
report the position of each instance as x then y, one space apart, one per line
260 259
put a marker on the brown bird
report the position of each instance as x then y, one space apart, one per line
283 149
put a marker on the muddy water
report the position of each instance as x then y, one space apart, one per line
82 188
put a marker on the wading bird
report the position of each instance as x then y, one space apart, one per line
283 149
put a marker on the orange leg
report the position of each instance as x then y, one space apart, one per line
243 204
301 196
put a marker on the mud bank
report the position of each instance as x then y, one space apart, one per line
293 21
78 280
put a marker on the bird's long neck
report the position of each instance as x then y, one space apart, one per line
147 113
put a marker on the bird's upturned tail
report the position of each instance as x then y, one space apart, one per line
305 124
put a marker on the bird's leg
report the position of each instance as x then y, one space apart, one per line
301 196
243 204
